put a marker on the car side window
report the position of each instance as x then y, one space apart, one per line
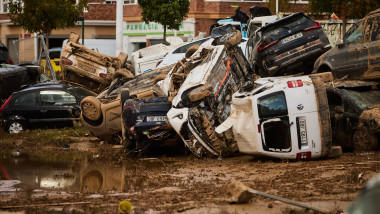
354 34
56 97
28 99
334 100
373 29
348 108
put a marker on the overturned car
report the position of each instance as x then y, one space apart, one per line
90 69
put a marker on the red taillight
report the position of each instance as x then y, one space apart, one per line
5 104
132 130
128 106
258 128
159 62
261 47
65 61
103 75
9 61
316 25
295 83
304 155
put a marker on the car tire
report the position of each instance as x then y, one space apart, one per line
364 141
90 107
124 95
123 73
235 39
15 127
191 51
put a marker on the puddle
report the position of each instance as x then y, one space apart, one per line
86 176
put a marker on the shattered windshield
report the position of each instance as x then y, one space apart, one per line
364 99
285 28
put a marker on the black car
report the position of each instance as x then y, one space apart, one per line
355 116
4 55
44 103
145 122
287 46
358 55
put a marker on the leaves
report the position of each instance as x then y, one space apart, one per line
44 16
165 12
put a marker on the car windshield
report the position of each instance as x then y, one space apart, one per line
80 91
364 99
286 27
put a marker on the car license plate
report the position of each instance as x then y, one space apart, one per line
155 118
291 38
303 134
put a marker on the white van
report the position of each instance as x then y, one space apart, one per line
284 117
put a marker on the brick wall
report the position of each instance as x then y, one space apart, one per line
101 12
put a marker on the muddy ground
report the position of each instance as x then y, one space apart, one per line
89 176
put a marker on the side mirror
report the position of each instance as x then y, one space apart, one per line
340 43
339 109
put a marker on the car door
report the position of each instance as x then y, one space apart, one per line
26 105
350 58
56 105
372 39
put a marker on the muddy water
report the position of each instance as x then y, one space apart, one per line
87 176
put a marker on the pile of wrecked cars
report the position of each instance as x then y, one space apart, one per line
215 101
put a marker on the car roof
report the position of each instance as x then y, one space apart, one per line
45 85
280 20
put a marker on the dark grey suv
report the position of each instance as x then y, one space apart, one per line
287 46
358 55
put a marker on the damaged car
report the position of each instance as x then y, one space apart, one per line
49 103
90 69
101 115
357 56
200 89
355 114
268 118
287 46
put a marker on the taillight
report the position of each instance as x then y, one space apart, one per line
295 83
258 128
316 25
261 47
65 61
5 104
128 106
9 61
303 155
159 62
103 75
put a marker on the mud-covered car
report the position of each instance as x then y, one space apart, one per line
287 46
200 89
282 117
90 69
145 123
355 114
357 56
101 115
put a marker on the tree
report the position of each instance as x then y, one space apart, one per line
169 13
44 16
344 9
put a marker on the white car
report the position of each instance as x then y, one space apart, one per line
283 117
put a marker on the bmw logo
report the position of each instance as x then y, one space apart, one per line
300 107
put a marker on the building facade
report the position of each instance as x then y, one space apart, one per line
99 22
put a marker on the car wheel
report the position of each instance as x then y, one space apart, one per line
90 107
191 51
123 73
124 95
16 127
235 39
363 140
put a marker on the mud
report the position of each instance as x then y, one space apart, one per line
102 177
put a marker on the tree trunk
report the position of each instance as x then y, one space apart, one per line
164 42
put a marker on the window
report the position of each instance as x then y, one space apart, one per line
26 100
184 48
272 105
56 97
374 29
354 34
130 1
4 6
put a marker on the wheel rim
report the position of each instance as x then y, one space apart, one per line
363 141
90 110
15 127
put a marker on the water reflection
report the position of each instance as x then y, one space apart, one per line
87 176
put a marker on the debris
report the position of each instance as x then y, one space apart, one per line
125 207
242 194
